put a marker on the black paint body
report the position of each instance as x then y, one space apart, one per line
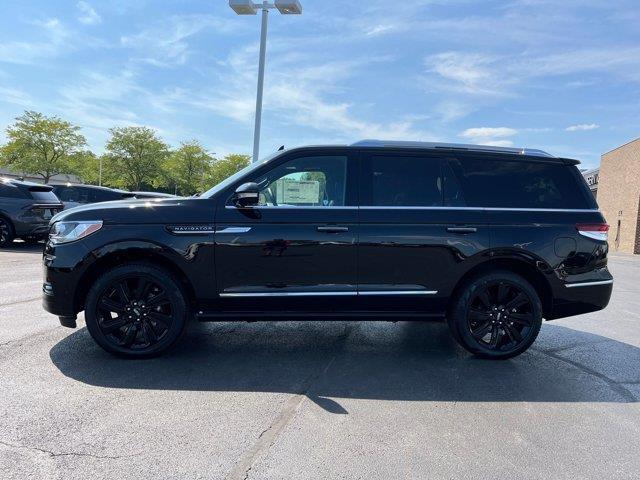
352 260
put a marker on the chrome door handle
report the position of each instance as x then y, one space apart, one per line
332 229
462 229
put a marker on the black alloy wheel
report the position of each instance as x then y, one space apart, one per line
497 316
6 232
136 311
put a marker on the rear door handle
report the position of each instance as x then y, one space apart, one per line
333 229
462 229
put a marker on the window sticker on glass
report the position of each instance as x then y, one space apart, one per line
294 191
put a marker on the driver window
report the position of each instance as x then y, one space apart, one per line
305 182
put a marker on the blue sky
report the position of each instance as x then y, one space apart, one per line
563 76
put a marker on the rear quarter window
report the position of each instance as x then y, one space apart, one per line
44 196
489 182
8 190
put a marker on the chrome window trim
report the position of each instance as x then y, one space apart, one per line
487 209
588 284
328 293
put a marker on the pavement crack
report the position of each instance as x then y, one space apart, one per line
613 385
270 435
65 454
18 302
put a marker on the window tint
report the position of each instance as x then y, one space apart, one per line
306 182
98 195
72 194
7 190
397 181
488 182
44 196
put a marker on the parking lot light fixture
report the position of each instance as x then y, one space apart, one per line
247 7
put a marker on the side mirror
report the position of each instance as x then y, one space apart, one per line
247 195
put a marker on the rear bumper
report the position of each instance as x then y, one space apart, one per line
582 297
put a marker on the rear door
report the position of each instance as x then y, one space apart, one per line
412 245
299 244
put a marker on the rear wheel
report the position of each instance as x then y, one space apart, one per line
136 311
496 315
6 232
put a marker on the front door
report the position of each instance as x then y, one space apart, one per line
299 243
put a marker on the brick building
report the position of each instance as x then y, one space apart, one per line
619 196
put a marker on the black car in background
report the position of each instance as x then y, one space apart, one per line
25 210
492 240
74 195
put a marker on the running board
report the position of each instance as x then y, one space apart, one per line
221 316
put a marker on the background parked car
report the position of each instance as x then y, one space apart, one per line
74 195
153 195
25 210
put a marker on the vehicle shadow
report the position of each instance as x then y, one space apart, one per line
406 361
24 247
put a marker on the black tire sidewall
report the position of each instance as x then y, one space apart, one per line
458 317
11 236
166 280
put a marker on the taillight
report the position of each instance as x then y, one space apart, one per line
597 231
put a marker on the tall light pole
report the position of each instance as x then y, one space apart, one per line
247 7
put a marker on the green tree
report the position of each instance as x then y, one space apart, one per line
86 165
41 145
225 167
187 167
134 157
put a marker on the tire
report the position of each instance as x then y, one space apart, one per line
136 311
7 233
496 315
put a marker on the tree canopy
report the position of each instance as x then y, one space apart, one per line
135 158
41 145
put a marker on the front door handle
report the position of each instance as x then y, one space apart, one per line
333 229
462 229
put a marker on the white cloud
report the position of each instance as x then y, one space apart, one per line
582 127
16 96
494 136
88 15
167 42
300 91
481 132
56 42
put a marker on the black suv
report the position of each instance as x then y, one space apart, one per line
25 210
491 239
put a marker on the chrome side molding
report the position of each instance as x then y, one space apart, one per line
588 284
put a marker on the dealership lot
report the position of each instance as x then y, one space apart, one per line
313 399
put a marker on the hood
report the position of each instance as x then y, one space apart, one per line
145 211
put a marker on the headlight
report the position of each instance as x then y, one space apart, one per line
65 232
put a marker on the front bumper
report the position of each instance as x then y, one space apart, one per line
63 266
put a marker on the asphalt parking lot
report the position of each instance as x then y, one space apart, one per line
317 400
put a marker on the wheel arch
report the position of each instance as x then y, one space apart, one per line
526 268
120 256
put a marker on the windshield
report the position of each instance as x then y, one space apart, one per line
239 174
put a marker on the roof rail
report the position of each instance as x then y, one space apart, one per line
453 146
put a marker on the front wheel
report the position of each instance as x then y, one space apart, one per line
496 315
136 311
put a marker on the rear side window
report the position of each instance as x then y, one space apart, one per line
7 190
487 182
97 195
43 196
402 181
